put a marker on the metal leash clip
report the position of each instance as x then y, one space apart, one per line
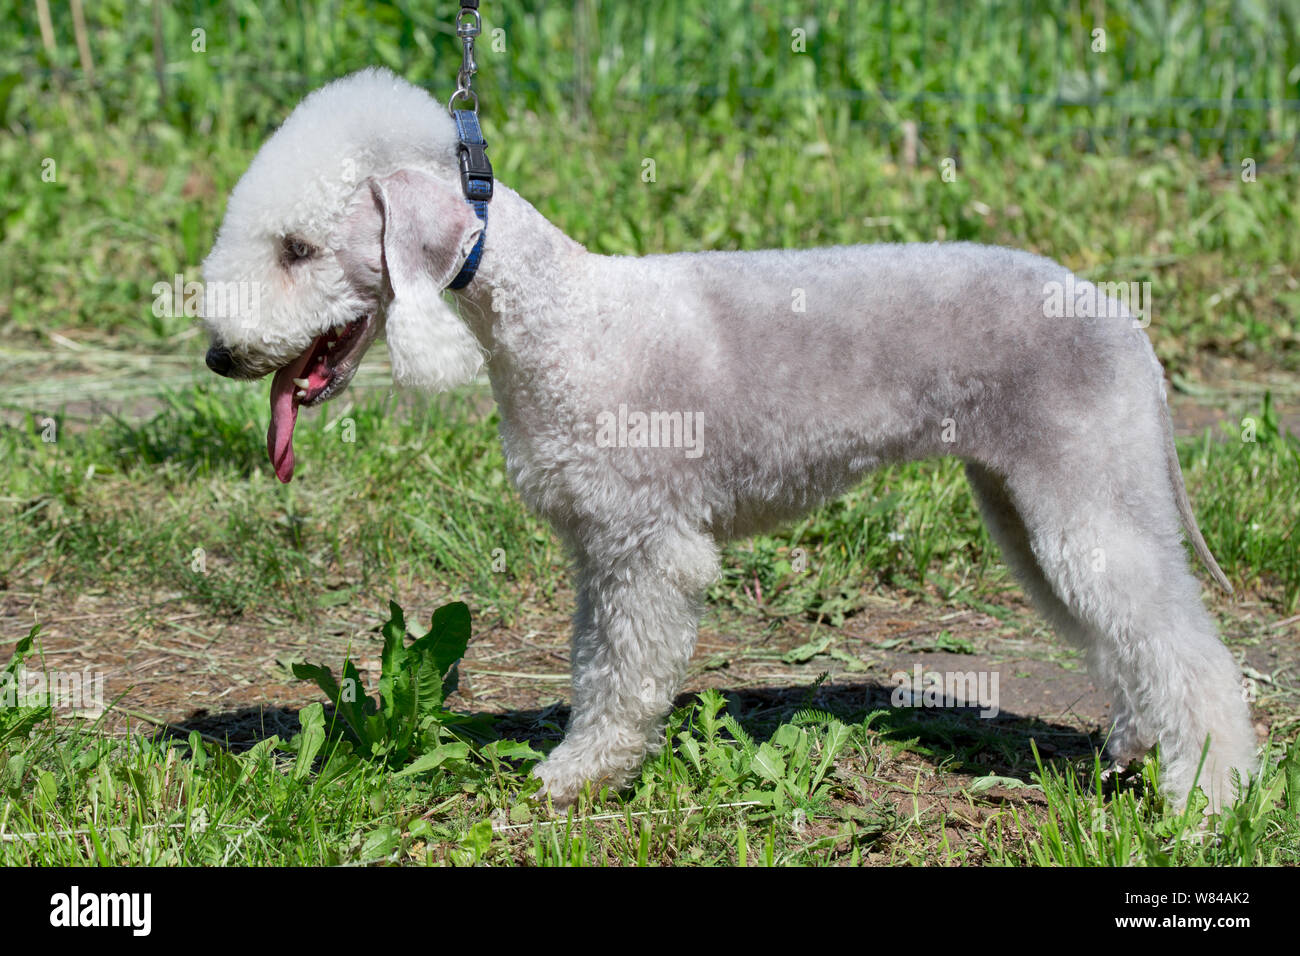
471 148
468 26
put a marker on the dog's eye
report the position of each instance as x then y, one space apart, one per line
293 249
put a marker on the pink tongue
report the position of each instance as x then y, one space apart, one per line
284 415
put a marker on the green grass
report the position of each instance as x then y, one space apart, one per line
805 791
139 181
184 503
172 503
1087 826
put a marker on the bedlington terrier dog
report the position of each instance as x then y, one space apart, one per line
654 406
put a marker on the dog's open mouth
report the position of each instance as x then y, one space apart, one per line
315 376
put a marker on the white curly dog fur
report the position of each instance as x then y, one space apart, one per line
651 407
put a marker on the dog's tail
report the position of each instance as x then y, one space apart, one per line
1184 506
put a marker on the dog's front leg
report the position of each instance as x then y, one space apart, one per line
633 635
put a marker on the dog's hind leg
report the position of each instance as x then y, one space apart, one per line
633 636
1107 550
1008 530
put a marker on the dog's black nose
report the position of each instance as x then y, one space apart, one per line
220 360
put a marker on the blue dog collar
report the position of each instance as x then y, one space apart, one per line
476 182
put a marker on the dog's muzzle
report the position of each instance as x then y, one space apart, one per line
220 360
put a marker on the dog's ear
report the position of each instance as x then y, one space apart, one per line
427 232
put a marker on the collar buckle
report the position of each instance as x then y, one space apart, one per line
475 181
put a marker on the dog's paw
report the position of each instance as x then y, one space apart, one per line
561 783
1121 775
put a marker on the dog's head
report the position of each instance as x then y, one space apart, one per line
348 222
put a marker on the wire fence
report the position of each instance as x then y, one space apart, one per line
1217 78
